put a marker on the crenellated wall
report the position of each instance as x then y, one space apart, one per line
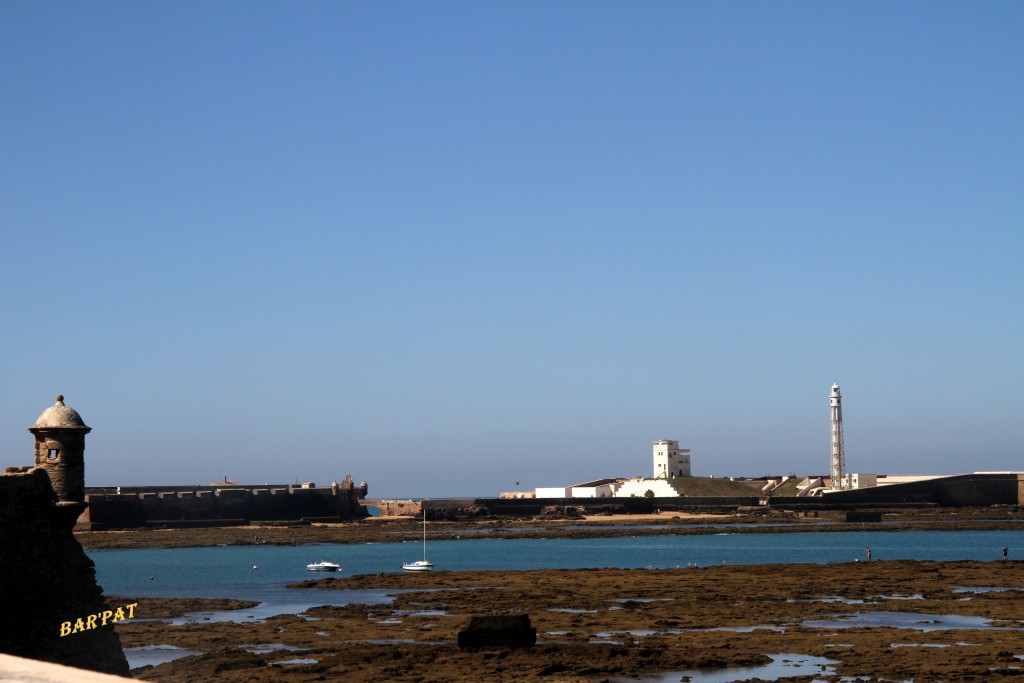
204 505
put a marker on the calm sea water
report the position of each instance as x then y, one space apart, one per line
228 572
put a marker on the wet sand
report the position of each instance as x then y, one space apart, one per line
596 625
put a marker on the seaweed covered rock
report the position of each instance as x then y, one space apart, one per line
559 512
498 630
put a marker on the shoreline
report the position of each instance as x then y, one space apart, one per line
378 530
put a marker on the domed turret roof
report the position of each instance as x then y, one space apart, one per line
59 416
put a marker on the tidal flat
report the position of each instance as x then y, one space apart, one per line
614 624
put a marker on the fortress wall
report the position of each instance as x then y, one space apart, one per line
973 490
634 505
233 504
977 490
47 579
968 490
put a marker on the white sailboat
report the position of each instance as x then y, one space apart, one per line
421 565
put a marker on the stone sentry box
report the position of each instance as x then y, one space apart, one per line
60 450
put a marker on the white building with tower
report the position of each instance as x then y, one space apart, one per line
670 460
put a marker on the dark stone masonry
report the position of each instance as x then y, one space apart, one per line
46 579
130 507
47 583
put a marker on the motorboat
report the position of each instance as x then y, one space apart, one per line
324 567
421 565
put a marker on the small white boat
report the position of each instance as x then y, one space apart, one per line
324 567
421 565
418 566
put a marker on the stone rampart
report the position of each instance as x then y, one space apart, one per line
204 506
46 579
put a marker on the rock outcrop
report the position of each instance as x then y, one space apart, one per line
498 631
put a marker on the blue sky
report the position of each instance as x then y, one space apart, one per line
450 246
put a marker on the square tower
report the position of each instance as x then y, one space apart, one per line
670 460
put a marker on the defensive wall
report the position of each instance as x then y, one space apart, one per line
184 506
969 490
46 579
525 507
966 490
447 508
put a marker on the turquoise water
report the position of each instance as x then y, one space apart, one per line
227 572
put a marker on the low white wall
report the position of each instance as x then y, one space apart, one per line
552 492
640 487
603 491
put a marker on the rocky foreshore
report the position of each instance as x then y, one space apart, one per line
921 621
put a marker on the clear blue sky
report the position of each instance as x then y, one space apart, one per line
448 246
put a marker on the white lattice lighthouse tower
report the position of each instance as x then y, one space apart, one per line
838 458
